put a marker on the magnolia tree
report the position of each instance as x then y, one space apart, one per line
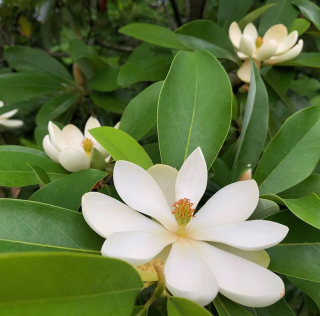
194 188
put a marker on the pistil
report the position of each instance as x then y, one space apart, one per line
87 146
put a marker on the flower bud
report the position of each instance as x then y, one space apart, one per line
78 75
247 174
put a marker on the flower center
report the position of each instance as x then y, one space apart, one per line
259 42
87 146
183 211
149 266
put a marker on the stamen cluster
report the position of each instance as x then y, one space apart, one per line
183 211
87 145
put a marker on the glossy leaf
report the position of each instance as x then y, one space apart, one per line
105 80
182 307
68 191
23 86
141 113
301 25
55 107
40 173
14 169
230 11
194 108
151 69
225 307
293 148
67 284
254 15
27 59
310 10
153 34
108 101
206 35
254 128
121 146
264 208
304 60
33 226
282 13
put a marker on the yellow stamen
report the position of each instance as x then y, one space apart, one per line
87 146
259 42
183 211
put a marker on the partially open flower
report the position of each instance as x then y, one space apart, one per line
276 46
202 252
6 121
70 147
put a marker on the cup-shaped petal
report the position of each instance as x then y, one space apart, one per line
251 31
74 160
247 45
56 136
267 50
50 150
276 32
235 34
287 43
73 136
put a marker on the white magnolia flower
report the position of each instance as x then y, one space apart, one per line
276 46
70 147
6 121
213 250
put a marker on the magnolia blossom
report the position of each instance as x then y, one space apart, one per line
276 46
70 147
203 253
5 118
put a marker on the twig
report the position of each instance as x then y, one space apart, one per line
176 12
300 308
115 47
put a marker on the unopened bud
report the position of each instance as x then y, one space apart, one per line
97 160
246 175
78 75
161 287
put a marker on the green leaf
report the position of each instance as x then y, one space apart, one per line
311 184
222 173
255 125
33 226
141 113
281 308
255 14
108 101
306 208
230 11
78 49
15 172
68 191
40 173
67 284
151 69
105 80
282 13
153 151
301 25
194 108
55 107
225 307
264 208
137 309
304 60
26 59
310 288
121 146
153 34
206 35
23 86
295 147
182 307
310 10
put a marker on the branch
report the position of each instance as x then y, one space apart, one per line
176 12
115 47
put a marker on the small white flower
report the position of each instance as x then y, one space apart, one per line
6 121
276 46
70 147
215 250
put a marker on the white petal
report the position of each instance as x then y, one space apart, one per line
259 257
117 125
91 123
235 34
276 32
233 203
188 276
244 72
192 178
292 53
166 177
74 160
11 123
247 45
287 43
242 56
8 114
267 50
140 191
73 137
251 235
1 104
251 31
106 215
240 280
50 150
136 247
56 136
